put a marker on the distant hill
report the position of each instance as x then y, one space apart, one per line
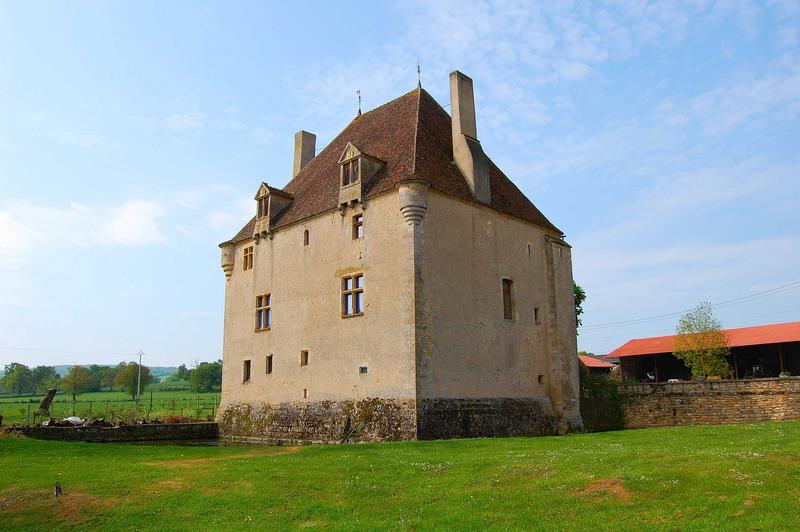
161 372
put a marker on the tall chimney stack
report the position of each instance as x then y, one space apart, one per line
304 150
467 152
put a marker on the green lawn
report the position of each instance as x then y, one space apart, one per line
15 409
731 477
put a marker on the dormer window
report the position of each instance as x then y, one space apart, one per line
350 172
262 206
355 167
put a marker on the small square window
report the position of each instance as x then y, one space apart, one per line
358 226
362 370
304 358
246 371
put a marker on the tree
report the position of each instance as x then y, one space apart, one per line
97 376
579 296
206 377
109 373
40 375
127 378
182 372
17 378
78 380
47 383
701 344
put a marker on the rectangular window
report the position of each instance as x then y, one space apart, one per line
508 311
304 358
246 371
536 315
349 172
362 370
353 295
262 207
248 258
358 226
269 364
305 393
263 312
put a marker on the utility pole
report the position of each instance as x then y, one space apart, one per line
139 379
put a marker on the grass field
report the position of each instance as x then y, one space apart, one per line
103 404
731 477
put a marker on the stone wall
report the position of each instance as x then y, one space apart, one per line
370 419
712 402
473 418
125 433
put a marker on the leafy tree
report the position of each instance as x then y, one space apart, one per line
701 344
109 374
17 378
182 372
40 374
127 378
579 296
78 380
206 377
97 376
47 383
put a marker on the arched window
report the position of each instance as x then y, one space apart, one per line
305 237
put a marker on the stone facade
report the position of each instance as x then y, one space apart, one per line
710 402
433 354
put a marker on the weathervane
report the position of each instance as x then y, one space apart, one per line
358 92
419 76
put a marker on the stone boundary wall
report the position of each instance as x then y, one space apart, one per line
124 433
710 402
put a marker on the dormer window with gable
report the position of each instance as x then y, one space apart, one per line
355 167
270 204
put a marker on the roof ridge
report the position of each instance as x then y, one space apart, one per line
416 134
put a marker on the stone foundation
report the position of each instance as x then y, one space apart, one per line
710 402
473 418
366 420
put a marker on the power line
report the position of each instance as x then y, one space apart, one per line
721 304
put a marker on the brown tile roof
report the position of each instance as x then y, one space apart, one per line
412 135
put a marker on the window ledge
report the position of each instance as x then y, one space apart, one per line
352 315
262 330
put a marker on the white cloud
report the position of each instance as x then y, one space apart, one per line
133 223
25 225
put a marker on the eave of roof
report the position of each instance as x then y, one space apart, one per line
592 362
778 333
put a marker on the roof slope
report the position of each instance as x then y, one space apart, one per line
412 134
592 362
778 333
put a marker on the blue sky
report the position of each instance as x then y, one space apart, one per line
663 138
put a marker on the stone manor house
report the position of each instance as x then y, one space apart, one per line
398 287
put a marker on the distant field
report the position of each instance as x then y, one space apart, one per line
103 404
735 477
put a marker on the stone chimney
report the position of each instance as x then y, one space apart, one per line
304 150
467 152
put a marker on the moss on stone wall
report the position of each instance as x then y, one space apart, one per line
601 404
